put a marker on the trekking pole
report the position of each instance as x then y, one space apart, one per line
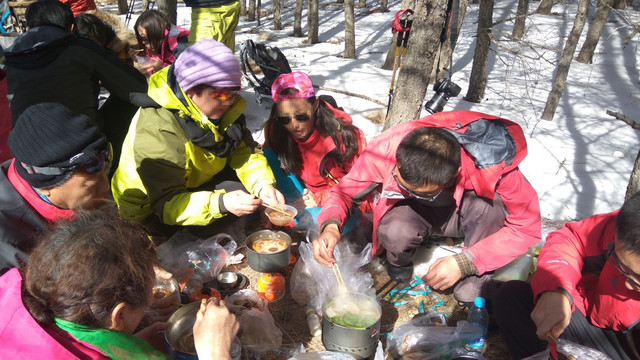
400 25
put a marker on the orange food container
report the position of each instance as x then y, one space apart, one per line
271 286
205 293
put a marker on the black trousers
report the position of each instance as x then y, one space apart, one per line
512 307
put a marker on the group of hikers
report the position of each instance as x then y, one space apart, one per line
88 189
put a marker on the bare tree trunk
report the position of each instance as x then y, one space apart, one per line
349 31
565 61
391 53
384 6
251 16
478 80
545 7
123 6
414 75
243 7
297 19
258 9
312 21
277 14
521 16
169 8
634 179
446 48
595 31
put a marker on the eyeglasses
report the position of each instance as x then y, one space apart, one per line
613 259
426 197
223 94
94 165
285 120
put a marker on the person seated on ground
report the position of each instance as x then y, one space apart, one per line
159 40
309 139
60 165
84 291
450 174
189 159
49 63
586 289
90 26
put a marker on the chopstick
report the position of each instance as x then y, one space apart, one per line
336 269
277 209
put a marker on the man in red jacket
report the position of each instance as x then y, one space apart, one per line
586 289
449 174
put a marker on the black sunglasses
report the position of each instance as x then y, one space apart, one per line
285 120
94 165
613 259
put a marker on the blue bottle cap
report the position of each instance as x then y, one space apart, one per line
479 302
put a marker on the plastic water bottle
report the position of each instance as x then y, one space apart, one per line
313 321
478 316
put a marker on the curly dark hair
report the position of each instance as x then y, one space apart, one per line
344 135
86 266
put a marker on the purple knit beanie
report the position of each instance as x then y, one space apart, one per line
207 62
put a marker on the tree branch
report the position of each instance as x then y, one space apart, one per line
351 94
621 116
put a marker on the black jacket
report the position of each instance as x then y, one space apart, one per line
47 64
20 224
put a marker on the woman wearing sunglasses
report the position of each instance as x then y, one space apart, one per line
310 139
188 159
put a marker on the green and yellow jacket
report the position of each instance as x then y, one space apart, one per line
161 167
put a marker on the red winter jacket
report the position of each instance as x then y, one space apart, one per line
319 153
497 172
574 260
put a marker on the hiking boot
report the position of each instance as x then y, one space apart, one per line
400 273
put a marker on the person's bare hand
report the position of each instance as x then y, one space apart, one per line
309 199
443 273
552 313
215 330
240 203
271 196
150 331
162 273
330 236
153 66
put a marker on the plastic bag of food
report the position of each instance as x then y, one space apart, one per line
569 348
324 355
205 257
429 342
325 283
258 330
302 285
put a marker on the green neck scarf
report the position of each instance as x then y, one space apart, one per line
114 344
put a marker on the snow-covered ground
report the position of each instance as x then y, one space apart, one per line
579 163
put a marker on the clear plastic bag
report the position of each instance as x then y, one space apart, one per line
258 330
325 285
418 337
207 257
569 348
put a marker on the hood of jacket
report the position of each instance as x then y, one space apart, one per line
38 47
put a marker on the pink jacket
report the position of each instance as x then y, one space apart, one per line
21 337
371 178
574 261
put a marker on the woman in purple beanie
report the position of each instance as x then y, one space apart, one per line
188 159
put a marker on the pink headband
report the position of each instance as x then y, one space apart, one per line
296 80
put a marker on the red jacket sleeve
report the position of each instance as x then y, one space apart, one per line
521 229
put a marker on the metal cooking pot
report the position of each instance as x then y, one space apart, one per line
361 343
268 263
182 321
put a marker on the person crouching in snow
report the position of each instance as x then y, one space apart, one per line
449 174
188 159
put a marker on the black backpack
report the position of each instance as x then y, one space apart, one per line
271 62
10 23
